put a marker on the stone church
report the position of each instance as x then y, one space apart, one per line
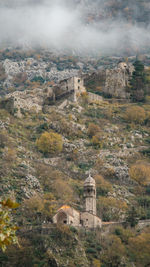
87 218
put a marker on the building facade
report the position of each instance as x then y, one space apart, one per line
74 85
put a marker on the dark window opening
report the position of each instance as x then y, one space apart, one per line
79 81
65 222
81 222
78 87
67 87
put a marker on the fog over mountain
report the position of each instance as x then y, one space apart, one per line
81 26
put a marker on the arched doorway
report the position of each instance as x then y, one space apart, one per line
62 218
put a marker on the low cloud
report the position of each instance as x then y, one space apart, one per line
63 26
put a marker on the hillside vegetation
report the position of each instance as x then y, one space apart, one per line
47 152
109 139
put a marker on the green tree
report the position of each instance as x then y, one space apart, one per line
113 251
138 82
111 208
132 217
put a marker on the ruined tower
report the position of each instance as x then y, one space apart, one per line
90 195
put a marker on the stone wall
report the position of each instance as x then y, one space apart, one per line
143 223
70 215
116 83
108 227
90 221
94 97
36 99
27 100
75 84
111 82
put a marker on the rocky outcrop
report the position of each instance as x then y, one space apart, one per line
35 68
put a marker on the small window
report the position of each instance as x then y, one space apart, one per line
65 222
81 222
67 87
79 81
78 87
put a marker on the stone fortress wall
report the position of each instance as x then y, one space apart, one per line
113 82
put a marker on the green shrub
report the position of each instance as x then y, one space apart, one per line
91 251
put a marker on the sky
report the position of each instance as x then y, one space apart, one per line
63 25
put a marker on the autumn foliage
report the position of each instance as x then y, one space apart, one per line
93 129
140 249
50 142
111 208
7 227
135 114
103 186
140 172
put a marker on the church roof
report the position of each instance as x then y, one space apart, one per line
64 207
68 210
89 181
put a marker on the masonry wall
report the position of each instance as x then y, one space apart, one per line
94 97
90 221
75 219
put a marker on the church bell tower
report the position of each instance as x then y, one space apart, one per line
90 195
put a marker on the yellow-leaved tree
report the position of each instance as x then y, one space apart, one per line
140 172
96 263
50 142
139 248
135 114
7 226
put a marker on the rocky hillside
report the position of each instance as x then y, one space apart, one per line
110 140
48 149
130 10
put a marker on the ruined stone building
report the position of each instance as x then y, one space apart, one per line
111 82
117 80
34 100
73 85
87 218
